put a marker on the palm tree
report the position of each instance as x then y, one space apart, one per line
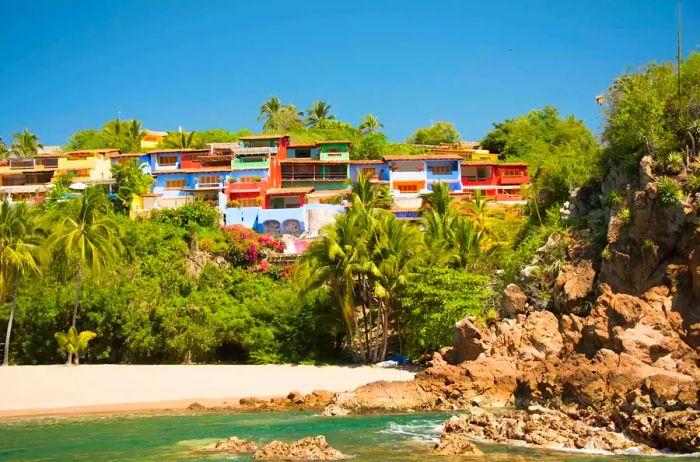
466 242
268 110
319 112
371 194
3 149
438 214
74 343
180 140
370 124
476 209
86 237
26 144
19 255
134 135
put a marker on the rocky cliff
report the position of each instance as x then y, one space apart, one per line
615 344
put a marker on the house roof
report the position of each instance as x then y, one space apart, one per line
128 154
366 162
334 142
314 161
282 191
262 137
425 157
302 145
194 170
330 193
155 132
92 151
486 163
166 151
244 190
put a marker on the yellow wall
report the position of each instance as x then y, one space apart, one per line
98 167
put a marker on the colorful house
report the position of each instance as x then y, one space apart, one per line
27 178
322 165
417 174
152 139
500 181
377 169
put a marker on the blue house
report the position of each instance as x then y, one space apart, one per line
378 169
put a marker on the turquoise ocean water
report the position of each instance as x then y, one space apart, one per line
375 438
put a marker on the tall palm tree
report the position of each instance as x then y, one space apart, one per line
3 149
19 256
268 110
134 135
370 124
319 112
26 144
438 214
114 130
85 237
180 140
372 195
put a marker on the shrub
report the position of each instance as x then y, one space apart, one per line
232 180
195 213
606 254
693 184
248 248
674 163
613 199
649 244
233 204
207 244
669 192
626 216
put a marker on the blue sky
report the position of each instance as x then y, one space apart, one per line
68 65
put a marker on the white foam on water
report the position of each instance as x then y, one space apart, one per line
416 430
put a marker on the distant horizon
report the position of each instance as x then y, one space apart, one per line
76 64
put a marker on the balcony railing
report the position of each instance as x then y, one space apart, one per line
313 177
50 162
254 151
21 163
208 185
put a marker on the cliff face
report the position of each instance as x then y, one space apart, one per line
618 341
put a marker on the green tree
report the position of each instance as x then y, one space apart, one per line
561 153
437 133
85 237
373 146
87 139
219 135
131 181
19 256
319 112
74 343
371 194
269 111
437 298
3 149
26 144
370 124
180 140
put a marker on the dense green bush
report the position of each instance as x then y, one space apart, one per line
197 213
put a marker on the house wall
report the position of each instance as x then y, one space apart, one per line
381 171
292 153
325 154
453 178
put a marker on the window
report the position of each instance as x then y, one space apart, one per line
249 202
368 171
440 170
167 161
209 180
333 150
302 153
512 172
261 143
247 179
407 188
175 184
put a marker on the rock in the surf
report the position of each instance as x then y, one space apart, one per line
456 444
311 448
232 445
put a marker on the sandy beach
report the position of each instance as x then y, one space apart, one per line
62 390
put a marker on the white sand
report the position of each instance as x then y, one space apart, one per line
44 390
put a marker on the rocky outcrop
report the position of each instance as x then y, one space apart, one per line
232 445
675 431
312 448
456 444
514 301
470 340
573 286
538 427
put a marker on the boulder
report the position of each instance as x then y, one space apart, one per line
676 431
196 407
573 286
455 444
311 448
296 397
386 396
333 410
514 301
232 445
470 340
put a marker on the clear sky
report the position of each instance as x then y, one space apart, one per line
67 65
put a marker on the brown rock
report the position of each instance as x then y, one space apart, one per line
573 286
296 397
455 444
470 340
232 445
196 407
386 396
514 301
311 448
676 431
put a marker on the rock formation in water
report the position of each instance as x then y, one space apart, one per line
232 445
311 448
616 345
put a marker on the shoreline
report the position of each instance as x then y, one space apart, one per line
46 391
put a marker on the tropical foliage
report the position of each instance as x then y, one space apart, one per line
25 144
437 133
370 124
74 343
318 113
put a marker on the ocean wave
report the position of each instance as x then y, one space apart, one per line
416 430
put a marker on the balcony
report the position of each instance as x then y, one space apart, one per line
240 164
287 176
18 163
515 179
260 151
334 155
208 186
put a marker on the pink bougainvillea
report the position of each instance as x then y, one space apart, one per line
248 248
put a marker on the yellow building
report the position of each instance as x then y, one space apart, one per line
152 139
88 165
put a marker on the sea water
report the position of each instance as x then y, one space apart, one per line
406 437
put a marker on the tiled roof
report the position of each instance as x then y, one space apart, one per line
495 163
366 162
262 137
334 142
95 151
425 157
314 161
128 154
301 145
165 151
299 190
330 193
194 170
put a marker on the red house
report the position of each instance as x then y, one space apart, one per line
499 181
